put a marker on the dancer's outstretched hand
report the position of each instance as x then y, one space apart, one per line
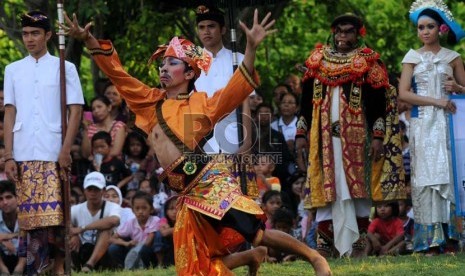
72 28
259 31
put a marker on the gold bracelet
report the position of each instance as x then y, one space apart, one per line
248 76
100 51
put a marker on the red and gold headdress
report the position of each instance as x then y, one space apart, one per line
187 51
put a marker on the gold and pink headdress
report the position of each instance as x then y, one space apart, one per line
183 49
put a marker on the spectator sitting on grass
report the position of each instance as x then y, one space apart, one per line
405 205
132 243
9 230
283 220
386 232
163 245
271 201
93 222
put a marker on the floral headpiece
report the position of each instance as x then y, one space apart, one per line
187 51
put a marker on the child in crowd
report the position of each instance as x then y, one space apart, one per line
80 193
74 198
255 99
283 220
264 169
386 232
163 245
271 201
135 150
113 194
132 243
153 187
405 205
10 262
127 201
111 167
294 201
146 187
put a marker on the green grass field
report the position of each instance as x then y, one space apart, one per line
414 265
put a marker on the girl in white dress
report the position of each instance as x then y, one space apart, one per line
429 75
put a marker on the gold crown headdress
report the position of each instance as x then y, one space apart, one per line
437 4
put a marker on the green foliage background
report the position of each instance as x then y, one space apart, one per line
136 27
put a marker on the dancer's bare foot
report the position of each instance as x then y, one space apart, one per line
321 266
258 256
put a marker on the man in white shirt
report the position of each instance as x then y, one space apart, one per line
210 29
92 229
9 230
33 144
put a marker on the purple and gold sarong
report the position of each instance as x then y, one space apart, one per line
40 202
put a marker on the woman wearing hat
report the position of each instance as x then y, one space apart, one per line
429 75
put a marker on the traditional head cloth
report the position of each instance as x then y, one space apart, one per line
187 51
117 190
437 9
352 19
209 13
35 19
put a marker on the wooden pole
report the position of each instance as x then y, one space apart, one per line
64 173
239 110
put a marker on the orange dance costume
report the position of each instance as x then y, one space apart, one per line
214 216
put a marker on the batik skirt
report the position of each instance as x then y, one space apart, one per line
40 202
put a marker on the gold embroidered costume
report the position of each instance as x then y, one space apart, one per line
366 107
208 192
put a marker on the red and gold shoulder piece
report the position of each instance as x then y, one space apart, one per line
313 61
377 75
359 65
369 54
333 68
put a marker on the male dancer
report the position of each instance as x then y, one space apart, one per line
214 216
